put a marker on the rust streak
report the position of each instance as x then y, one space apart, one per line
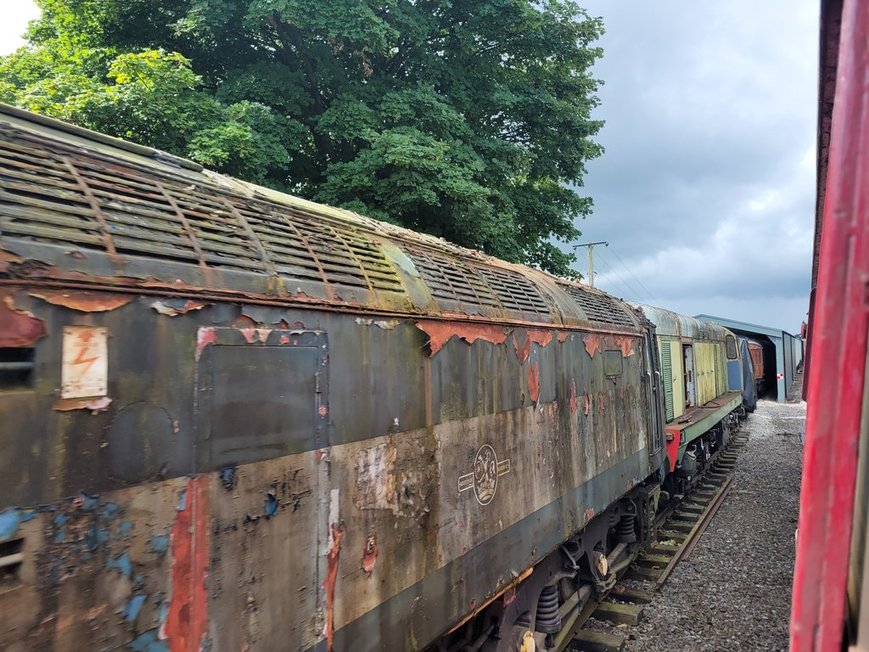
17 327
186 624
185 224
439 332
329 583
573 401
95 207
84 301
534 382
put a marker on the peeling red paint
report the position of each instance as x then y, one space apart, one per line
285 339
204 337
254 335
592 343
187 621
534 381
84 301
18 327
369 557
323 410
95 405
439 332
531 336
329 583
573 401
595 342
563 335
243 321
589 514
587 404
623 342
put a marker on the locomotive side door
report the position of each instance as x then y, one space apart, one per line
690 378
262 413
655 394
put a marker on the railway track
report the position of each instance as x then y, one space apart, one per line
679 528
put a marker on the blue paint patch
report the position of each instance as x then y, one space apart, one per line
160 544
122 563
131 611
9 521
110 510
60 519
270 507
89 503
60 536
148 642
96 538
28 515
125 528
227 477
182 500
139 580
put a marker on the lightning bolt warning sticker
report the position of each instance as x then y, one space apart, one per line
85 362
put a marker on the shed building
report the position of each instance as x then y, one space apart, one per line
783 352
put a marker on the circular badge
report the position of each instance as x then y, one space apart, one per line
485 474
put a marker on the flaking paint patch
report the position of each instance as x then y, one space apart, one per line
573 401
592 343
18 327
384 324
204 337
440 332
369 556
175 307
95 405
84 301
7 259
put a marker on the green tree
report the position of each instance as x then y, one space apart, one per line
466 119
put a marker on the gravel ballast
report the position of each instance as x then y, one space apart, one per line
733 592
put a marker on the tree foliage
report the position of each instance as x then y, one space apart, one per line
464 119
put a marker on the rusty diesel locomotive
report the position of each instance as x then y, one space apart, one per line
237 420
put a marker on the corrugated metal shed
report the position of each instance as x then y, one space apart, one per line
788 348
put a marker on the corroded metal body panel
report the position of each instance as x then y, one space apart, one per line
313 428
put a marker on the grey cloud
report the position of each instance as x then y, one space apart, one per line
706 189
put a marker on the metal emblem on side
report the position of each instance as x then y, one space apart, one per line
484 477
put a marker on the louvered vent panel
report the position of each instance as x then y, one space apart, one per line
44 196
515 291
599 307
41 199
667 379
449 279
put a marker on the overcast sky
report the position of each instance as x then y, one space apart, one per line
706 190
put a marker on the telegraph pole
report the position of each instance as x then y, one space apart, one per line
591 246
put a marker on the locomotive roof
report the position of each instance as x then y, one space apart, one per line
673 324
81 207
